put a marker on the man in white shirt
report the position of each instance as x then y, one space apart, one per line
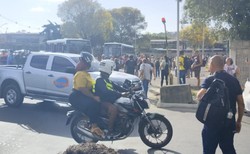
145 69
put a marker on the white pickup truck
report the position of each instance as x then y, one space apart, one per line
45 76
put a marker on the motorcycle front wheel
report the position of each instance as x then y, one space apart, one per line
78 129
157 133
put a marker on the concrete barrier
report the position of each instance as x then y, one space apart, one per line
176 96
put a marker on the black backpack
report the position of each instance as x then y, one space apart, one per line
166 68
214 106
187 63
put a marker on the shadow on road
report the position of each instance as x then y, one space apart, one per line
163 151
43 117
127 151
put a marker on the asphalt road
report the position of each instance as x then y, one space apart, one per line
39 128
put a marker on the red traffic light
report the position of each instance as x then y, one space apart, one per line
163 20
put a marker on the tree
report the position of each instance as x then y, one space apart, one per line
194 35
234 14
51 31
68 30
87 20
127 24
143 42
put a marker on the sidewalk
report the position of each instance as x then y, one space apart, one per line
154 88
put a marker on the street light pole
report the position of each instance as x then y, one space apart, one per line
178 41
203 41
166 38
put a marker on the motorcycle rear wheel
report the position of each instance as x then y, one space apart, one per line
158 135
80 137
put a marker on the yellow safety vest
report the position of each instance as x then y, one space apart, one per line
109 86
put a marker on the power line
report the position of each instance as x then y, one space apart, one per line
19 24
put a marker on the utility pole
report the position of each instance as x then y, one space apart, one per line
166 38
178 41
203 40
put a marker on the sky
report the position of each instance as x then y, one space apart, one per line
31 15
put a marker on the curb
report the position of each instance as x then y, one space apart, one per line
176 105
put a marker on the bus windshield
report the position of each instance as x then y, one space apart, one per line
69 45
76 46
117 50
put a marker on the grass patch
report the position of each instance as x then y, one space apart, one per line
194 90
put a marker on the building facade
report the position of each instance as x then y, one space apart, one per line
19 41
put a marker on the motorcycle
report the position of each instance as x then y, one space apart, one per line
154 129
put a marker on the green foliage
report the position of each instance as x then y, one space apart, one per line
194 35
127 23
86 19
232 14
68 30
143 42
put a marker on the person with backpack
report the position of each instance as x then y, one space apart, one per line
222 134
182 71
164 70
187 66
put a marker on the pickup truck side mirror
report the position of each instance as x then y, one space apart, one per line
70 70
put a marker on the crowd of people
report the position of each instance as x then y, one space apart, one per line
162 67
11 57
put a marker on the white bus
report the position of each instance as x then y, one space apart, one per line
116 50
69 45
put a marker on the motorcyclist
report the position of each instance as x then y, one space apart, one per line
108 92
82 97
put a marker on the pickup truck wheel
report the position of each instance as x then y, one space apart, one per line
13 96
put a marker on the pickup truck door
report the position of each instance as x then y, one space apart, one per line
59 83
35 74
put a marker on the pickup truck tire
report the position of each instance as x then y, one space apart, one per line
12 95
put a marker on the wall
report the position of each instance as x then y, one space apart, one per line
240 52
18 41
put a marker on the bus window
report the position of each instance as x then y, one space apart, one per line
116 50
69 45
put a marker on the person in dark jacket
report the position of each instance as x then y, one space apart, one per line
223 134
108 91
157 67
130 65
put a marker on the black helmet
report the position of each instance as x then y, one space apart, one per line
86 58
